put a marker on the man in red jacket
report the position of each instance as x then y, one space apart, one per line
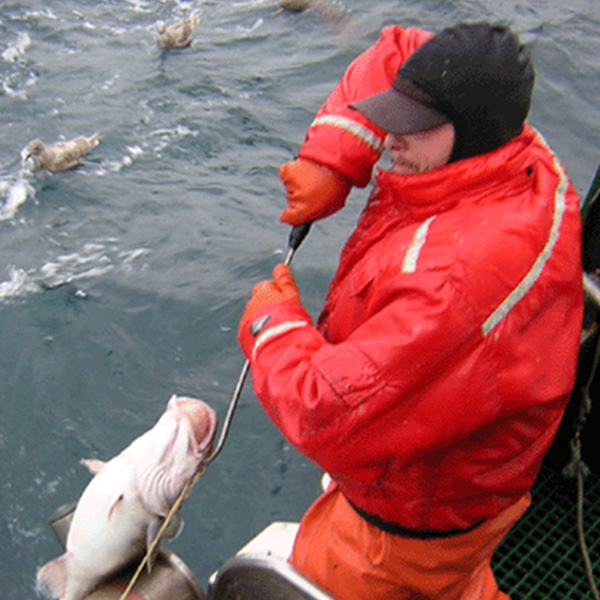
440 367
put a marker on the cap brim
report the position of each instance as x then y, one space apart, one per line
394 112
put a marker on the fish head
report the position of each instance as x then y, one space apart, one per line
168 455
200 417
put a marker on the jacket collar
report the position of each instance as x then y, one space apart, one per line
465 181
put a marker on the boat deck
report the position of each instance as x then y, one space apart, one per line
541 558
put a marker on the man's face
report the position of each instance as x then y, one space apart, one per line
421 151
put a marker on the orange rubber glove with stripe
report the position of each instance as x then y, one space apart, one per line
270 292
313 191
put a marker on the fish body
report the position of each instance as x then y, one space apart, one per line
177 35
61 155
123 507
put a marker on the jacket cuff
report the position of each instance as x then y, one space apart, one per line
350 156
272 322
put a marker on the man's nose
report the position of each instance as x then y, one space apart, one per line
394 141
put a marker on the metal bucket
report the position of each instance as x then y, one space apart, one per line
170 578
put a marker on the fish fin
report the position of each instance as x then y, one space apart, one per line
151 533
174 528
118 497
51 579
93 465
153 529
171 532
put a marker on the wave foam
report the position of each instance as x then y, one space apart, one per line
16 50
18 284
12 195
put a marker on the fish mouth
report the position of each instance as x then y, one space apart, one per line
202 419
205 444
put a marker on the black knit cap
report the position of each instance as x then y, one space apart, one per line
475 75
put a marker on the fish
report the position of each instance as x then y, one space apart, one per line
123 507
60 156
177 35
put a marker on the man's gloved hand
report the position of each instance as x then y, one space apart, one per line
267 293
313 191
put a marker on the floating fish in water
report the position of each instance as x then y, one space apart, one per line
177 35
62 155
123 507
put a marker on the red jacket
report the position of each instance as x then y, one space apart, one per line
446 351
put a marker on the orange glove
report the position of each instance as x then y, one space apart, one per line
313 191
266 293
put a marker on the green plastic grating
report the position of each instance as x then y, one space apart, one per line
541 559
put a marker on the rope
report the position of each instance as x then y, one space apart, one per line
577 468
581 535
185 492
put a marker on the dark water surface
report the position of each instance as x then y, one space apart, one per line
122 282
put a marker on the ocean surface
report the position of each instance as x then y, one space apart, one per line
123 281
